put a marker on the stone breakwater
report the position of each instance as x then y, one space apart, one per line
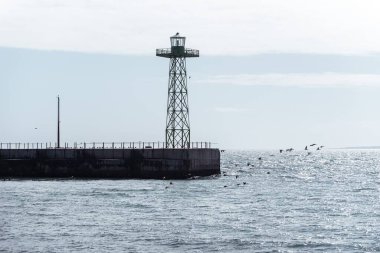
109 163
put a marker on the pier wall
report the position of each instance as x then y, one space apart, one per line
109 163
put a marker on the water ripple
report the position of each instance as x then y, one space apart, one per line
293 202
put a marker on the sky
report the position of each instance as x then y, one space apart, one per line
271 74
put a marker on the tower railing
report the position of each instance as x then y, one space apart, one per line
167 52
100 145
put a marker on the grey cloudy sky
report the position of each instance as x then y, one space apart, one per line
218 26
272 73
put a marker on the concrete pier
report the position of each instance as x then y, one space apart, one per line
109 163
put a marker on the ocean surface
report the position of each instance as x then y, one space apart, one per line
327 201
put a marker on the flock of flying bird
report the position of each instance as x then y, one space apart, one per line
306 148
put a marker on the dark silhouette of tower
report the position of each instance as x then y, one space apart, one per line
177 119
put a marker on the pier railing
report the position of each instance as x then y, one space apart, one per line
99 145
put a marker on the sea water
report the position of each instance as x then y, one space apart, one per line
264 201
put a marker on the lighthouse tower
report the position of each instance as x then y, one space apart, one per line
177 119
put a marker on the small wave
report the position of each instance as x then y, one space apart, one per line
364 189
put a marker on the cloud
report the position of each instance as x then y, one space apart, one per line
296 80
218 27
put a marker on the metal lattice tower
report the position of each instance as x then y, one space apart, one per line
177 118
